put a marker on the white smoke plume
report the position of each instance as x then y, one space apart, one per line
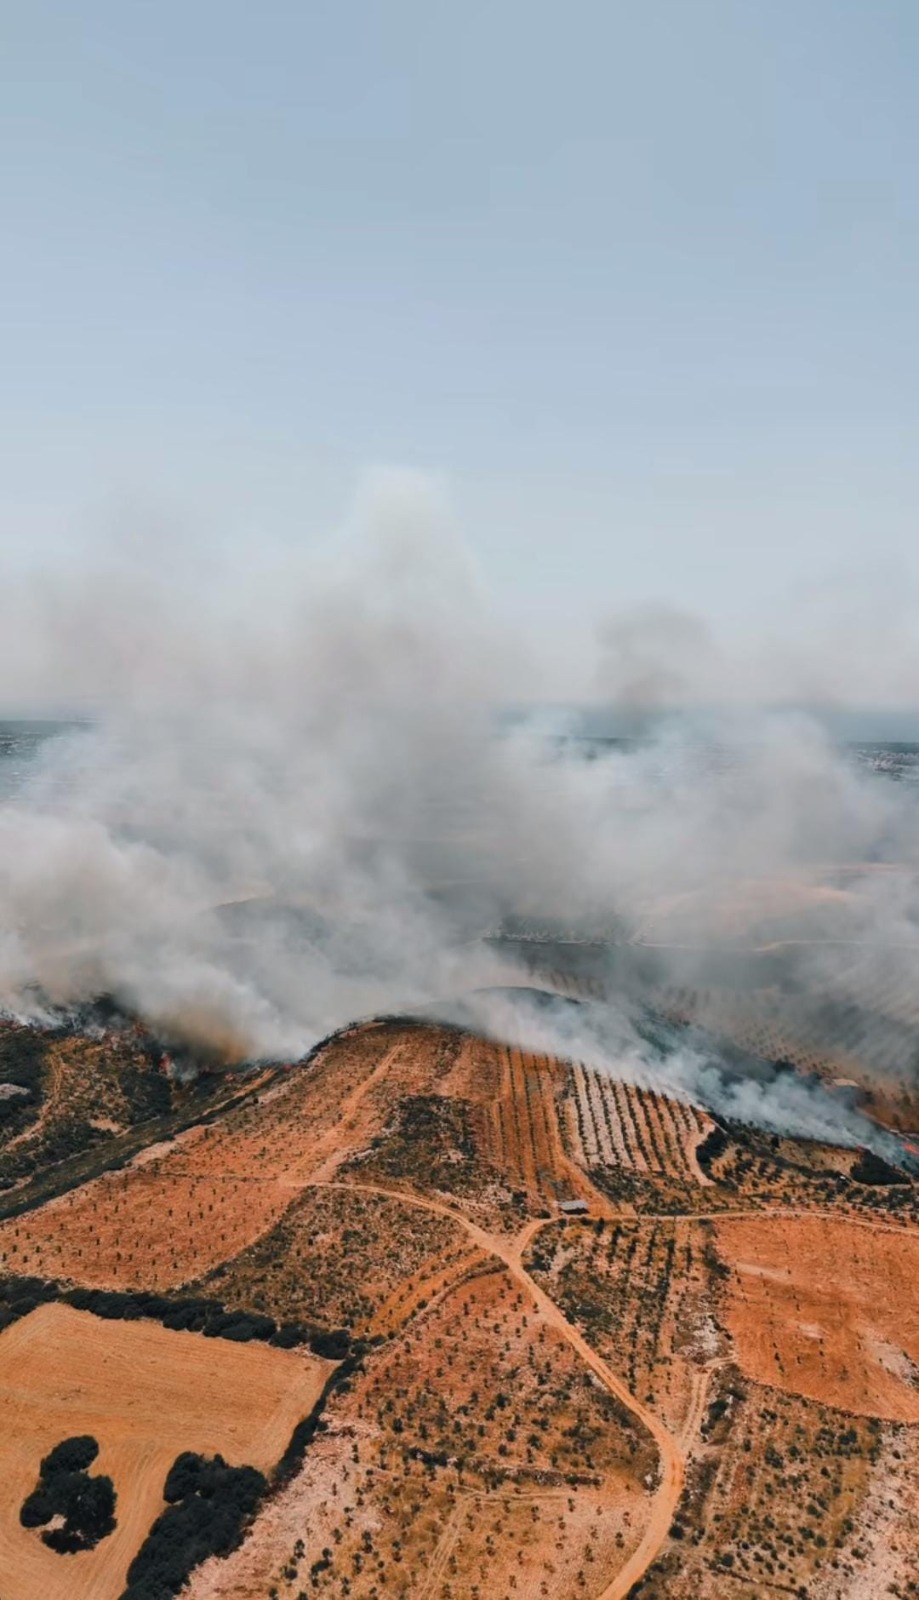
684 1067
298 799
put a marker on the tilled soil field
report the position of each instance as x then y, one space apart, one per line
826 1309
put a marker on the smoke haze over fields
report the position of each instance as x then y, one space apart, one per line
298 801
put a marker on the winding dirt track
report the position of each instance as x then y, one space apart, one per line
673 1451
672 1456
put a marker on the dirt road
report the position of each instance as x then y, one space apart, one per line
673 1451
672 1457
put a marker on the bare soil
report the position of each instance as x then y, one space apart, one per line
826 1309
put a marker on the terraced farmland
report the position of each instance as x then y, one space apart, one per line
522 1134
620 1124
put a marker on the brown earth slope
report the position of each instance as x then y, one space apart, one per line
697 1389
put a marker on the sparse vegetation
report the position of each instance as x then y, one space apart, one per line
770 1498
341 1257
459 1444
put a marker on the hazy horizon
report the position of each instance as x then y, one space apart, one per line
374 368
633 286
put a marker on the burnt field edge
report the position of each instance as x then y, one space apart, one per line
71 1173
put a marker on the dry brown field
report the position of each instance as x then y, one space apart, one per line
339 1256
715 1354
145 1394
827 1309
472 1458
151 1227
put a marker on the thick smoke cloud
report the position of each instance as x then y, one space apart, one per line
851 640
678 1063
299 798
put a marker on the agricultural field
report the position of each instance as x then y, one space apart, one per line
873 1053
524 1127
473 1458
339 1256
646 1295
517 1404
518 1101
145 1395
624 1125
777 1501
487 1135
183 1207
827 1309
153 1226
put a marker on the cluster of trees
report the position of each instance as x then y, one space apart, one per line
209 1505
873 1169
199 1314
20 1295
22 1054
713 1145
65 1489
306 1430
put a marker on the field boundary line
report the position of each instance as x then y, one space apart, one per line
672 1462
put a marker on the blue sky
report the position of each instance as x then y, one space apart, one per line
637 281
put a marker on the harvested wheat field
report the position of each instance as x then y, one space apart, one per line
826 1309
145 1394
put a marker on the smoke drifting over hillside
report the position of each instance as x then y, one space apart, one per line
297 804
